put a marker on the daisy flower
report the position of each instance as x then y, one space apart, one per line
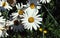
31 21
5 5
38 6
45 1
32 9
19 13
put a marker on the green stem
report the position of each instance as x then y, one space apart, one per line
43 35
50 14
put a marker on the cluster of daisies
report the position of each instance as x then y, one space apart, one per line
25 17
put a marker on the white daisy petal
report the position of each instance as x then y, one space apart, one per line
37 22
37 16
34 26
18 6
30 28
35 13
48 1
38 7
45 1
37 25
24 22
39 19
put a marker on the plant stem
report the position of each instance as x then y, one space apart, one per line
50 14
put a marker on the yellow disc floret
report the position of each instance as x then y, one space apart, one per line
20 12
4 4
32 5
30 19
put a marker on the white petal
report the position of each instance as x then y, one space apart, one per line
21 5
43 1
38 19
1 33
38 7
37 22
37 25
34 26
24 21
18 6
35 13
25 5
0 13
30 28
37 16
48 1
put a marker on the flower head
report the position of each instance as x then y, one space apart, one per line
31 20
5 5
18 13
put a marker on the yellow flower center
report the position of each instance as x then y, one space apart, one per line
40 29
32 5
20 12
4 4
45 31
30 19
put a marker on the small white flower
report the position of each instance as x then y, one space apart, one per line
45 1
31 20
19 12
38 6
5 5
31 11
32 8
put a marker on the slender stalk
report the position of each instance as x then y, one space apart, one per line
43 34
50 14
